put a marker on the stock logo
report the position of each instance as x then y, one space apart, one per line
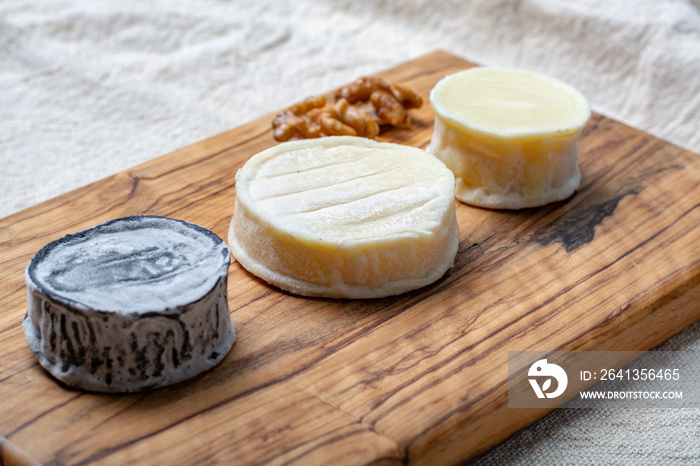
542 368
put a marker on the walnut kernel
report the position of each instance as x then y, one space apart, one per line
358 110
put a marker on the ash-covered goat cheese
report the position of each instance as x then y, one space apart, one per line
132 304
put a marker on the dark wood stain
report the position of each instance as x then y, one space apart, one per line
577 228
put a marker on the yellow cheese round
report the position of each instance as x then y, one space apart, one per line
344 217
510 136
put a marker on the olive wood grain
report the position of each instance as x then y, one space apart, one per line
419 377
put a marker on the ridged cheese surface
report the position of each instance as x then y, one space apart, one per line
344 217
510 136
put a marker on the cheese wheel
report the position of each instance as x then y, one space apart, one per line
344 217
132 304
510 136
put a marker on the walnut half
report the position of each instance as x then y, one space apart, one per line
358 110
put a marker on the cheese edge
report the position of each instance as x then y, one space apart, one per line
343 290
40 331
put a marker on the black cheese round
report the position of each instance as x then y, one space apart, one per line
132 304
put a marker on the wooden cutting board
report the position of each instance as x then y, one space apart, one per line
419 377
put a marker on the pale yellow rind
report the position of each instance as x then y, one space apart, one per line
509 136
344 217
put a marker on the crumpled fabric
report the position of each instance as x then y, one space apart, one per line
88 89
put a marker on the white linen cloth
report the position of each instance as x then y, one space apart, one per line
88 89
